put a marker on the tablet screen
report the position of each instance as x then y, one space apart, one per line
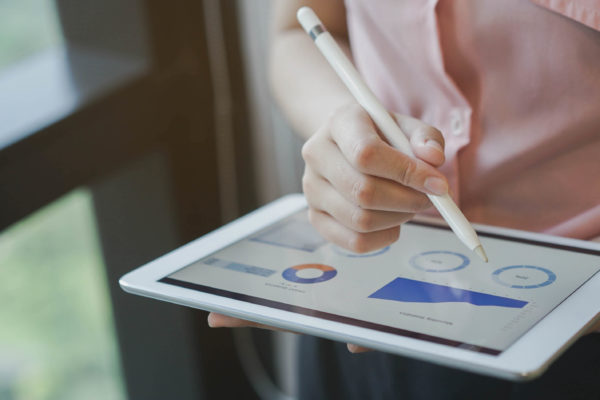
426 285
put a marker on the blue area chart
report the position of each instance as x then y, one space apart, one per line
408 290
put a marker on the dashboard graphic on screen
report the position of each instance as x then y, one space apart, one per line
424 284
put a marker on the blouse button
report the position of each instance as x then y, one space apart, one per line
456 123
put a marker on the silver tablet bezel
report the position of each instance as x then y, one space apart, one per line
527 358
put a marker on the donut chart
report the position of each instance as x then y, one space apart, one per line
523 276
439 261
291 274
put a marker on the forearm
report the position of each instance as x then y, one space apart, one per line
304 85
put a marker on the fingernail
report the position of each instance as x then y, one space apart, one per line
436 185
434 145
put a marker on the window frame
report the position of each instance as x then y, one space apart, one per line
146 147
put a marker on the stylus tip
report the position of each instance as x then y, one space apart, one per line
481 253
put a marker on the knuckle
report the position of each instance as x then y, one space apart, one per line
307 184
419 203
312 191
363 192
313 217
424 203
362 220
407 173
307 151
364 153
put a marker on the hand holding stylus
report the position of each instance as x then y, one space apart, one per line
360 189
388 127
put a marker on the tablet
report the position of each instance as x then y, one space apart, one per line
425 296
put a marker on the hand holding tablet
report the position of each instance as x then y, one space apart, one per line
216 320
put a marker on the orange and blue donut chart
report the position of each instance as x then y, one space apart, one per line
291 274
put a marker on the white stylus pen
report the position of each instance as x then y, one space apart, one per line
386 124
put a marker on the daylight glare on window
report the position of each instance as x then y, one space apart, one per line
26 28
57 340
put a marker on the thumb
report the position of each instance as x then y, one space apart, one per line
426 142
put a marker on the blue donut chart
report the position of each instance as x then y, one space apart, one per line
551 276
291 274
414 261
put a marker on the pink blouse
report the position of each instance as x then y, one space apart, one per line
514 86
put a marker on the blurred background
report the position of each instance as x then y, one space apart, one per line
128 128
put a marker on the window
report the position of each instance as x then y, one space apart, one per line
44 77
57 339
26 28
